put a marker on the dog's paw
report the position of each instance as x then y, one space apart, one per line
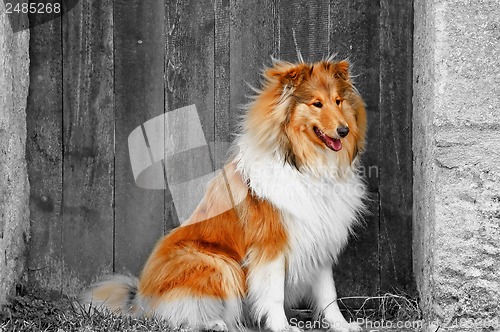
294 329
290 328
217 325
345 327
285 328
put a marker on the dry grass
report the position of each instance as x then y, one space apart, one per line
387 307
378 313
31 312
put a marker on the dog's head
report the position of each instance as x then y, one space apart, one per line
315 112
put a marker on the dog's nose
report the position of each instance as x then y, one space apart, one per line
343 131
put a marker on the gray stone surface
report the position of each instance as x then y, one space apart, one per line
14 188
456 146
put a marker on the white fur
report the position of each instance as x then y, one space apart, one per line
232 314
118 299
199 312
325 296
318 212
266 284
318 208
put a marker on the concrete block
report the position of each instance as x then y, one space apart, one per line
14 187
456 135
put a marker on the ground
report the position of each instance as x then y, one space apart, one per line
35 312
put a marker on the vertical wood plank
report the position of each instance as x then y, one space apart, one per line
354 34
335 24
357 272
139 96
44 155
179 53
88 143
190 45
254 38
222 98
304 27
396 157
190 59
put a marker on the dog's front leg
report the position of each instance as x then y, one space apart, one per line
325 296
266 293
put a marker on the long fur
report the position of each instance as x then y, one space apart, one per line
272 224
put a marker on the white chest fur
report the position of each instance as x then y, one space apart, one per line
318 212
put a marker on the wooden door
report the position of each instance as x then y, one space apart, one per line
105 67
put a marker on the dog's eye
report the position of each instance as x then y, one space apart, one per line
318 104
338 101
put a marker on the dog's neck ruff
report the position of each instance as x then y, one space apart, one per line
271 178
257 161
318 209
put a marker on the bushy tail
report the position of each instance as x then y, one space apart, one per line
116 294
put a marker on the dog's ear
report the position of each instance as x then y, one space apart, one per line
295 76
288 74
341 70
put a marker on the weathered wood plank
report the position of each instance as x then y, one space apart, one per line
354 30
223 133
354 34
139 96
190 80
88 124
44 155
190 59
316 41
396 157
357 272
169 55
304 27
254 37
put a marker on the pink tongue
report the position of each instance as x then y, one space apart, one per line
333 143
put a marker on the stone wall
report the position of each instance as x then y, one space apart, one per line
456 135
14 187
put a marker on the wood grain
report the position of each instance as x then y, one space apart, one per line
44 155
304 28
118 64
396 156
190 72
223 133
354 33
88 126
254 38
139 48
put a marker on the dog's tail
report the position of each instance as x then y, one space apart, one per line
117 294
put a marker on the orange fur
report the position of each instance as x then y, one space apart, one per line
323 81
205 258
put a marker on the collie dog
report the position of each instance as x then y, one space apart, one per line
273 222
